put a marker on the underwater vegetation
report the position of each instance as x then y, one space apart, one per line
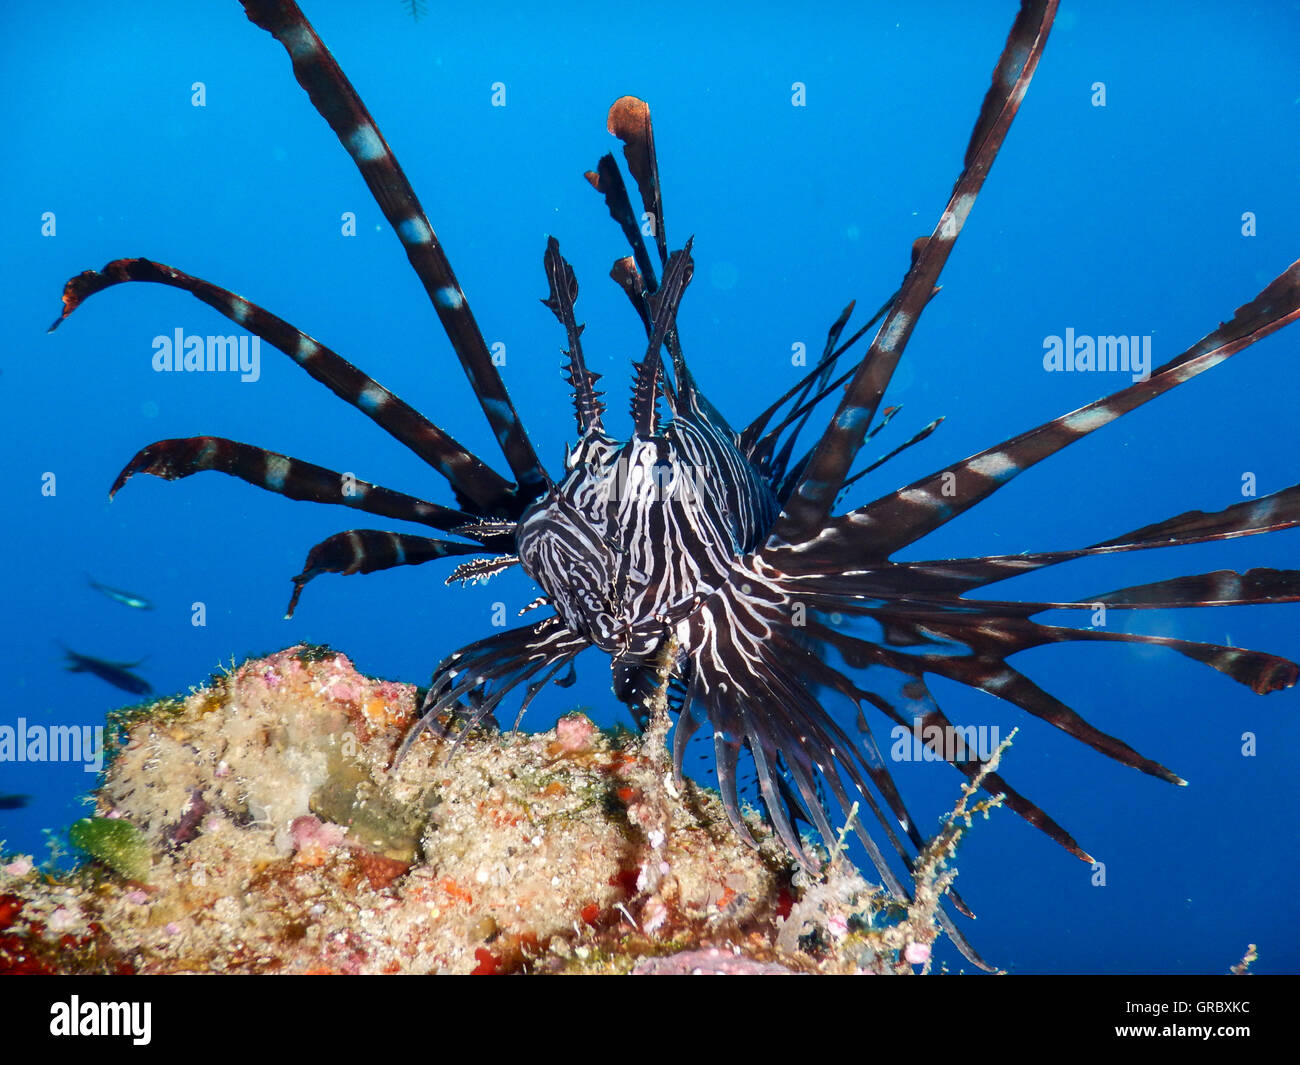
889 639
115 842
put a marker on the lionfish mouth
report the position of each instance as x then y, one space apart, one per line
791 623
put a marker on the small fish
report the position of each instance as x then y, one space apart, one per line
116 673
119 596
14 802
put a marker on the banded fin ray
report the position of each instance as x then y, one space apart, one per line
1221 588
903 517
1259 671
368 551
819 385
916 438
474 482
996 630
1270 513
1000 630
759 445
333 96
991 674
809 505
1007 683
293 478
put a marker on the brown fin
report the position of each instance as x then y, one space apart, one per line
609 183
628 278
629 121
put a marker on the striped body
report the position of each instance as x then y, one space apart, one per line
637 534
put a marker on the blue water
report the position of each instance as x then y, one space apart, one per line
1123 219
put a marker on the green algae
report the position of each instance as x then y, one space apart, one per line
115 842
350 797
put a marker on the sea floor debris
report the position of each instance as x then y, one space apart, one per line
256 826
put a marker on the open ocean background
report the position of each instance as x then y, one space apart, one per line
1123 219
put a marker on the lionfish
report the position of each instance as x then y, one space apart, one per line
718 546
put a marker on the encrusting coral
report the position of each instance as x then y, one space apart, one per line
256 826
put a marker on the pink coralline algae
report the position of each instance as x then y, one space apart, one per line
20 866
916 953
313 839
574 733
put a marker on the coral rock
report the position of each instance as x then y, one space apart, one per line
275 837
